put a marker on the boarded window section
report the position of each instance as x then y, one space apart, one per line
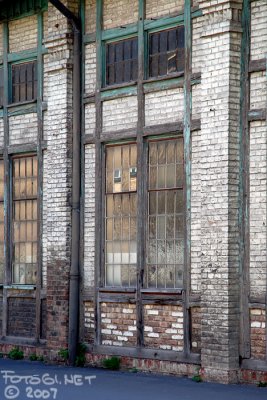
121 202
24 82
121 61
2 254
1 86
24 220
166 52
165 247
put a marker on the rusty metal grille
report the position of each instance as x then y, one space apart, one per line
24 82
2 254
165 242
120 216
121 61
24 216
166 52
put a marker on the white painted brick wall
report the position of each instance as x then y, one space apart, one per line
164 106
89 216
120 12
119 114
45 216
22 34
258 188
258 29
197 44
90 68
258 89
196 213
1 39
23 129
90 121
1 132
196 101
90 16
160 8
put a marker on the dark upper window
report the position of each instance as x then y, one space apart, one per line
166 52
1 86
24 82
121 61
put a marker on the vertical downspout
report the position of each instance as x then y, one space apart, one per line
76 187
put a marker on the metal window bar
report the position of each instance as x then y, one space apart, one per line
24 218
24 82
120 216
165 241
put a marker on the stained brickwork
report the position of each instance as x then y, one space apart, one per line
118 13
90 119
89 217
160 8
163 327
23 129
258 29
257 215
195 314
119 114
164 106
195 268
90 68
219 211
1 39
258 333
1 132
21 317
89 322
90 16
118 324
258 90
23 34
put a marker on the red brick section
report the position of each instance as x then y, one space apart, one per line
255 377
163 327
89 322
258 334
21 317
195 329
148 365
118 324
57 304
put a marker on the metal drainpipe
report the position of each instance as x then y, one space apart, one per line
76 161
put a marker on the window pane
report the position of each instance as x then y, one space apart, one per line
166 52
24 220
121 61
120 255
165 231
24 82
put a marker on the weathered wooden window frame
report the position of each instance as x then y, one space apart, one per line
104 52
34 83
12 213
164 28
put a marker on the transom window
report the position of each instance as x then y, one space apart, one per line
166 52
24 82
121 61
24 216
121 204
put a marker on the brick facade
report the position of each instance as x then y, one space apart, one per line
215 323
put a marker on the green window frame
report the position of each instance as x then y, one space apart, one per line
120 61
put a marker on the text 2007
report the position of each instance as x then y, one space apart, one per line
50 393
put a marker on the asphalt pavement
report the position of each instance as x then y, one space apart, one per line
33 380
